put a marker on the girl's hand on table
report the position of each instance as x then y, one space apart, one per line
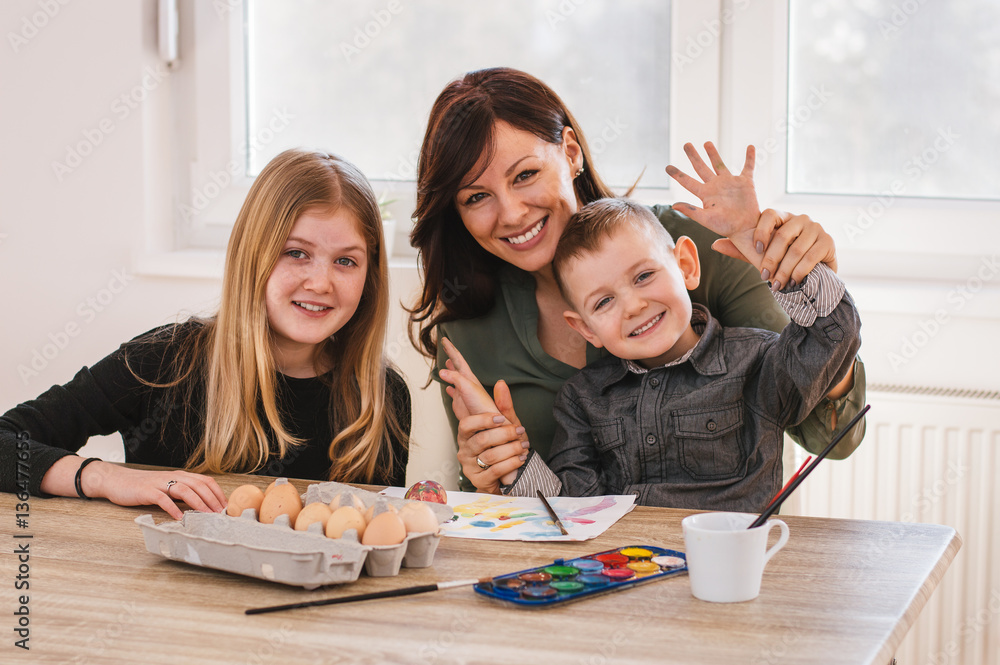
138 487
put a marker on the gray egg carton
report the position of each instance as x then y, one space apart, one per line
278 553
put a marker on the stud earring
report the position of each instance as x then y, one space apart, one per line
578 173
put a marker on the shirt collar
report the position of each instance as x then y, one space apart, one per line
706 357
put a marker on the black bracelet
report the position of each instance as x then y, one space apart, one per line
79 476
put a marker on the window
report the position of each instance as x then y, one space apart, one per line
359 78
642 78
898 97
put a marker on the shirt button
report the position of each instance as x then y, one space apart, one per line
711 425
650 439
654 382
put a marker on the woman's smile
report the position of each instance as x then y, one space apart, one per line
523 240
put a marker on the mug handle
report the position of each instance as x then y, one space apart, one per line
781 541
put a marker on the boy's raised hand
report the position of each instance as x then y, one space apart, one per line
729 202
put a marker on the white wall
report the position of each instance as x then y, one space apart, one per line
62 241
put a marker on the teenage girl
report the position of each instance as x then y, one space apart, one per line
288 377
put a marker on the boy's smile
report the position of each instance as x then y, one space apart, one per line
630 296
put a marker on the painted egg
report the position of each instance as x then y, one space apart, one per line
385 529
281 500
243 497
314 512
343 519
427 490
418 518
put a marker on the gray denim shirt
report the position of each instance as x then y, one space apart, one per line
706 431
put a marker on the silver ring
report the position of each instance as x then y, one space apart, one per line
170 483
481 464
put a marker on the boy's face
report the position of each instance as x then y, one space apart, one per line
631 296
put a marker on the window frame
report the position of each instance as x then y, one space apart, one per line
728 84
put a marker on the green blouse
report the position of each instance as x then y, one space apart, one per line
503 344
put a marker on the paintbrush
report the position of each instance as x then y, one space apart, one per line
778 500
790 481
391 593
552 513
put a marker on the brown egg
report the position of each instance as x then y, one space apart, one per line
343 519
418 518
314 512
345 499
281 500
274 483
382 506
385 529
243 497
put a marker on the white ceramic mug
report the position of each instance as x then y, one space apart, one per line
726 559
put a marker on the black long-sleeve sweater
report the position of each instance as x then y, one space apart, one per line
158 426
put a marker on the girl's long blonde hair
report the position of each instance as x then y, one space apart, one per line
233 351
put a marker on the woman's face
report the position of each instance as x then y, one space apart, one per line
316 284
519 206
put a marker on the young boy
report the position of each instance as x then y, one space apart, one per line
686 413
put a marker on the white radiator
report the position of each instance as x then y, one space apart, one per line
929 455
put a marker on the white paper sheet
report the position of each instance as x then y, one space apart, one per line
494 517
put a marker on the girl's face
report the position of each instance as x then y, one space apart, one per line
315 286
519 206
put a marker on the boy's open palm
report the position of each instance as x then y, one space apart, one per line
729 202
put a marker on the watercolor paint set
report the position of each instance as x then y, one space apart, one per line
566 580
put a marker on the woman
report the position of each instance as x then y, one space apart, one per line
502 167
288 378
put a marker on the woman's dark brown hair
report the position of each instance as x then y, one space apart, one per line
459 275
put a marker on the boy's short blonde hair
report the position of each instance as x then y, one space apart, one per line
598 221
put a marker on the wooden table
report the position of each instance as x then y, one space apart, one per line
841 591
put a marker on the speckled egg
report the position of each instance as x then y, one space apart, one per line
281 500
